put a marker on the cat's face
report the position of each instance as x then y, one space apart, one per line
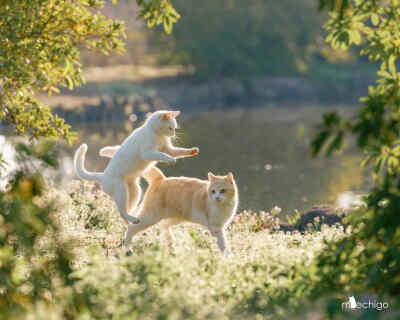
222 189
167 123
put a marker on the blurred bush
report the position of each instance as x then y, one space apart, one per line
35 270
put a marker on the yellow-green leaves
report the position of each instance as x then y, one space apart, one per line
156 12
376 126
391 64
386 157
39 50
374 19
355 37
377 28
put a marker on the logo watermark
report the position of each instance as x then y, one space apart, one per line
352 304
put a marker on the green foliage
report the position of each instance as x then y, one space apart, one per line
294 219
34 262
368 259
40 43
332 130
156 12
93 217
377 28
39 50
252 222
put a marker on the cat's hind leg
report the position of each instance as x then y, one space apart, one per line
170 237
167 227
121 198
134 194
145 222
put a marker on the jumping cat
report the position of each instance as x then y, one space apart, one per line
211 203
146 145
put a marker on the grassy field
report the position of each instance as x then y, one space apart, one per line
190 280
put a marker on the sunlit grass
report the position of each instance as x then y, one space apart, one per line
191 280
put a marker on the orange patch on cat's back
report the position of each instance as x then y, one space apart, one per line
163 200
179 194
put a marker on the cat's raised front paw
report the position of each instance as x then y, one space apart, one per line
194 151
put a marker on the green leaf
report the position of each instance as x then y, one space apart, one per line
70 83
343 39
374 19
392 65
355 37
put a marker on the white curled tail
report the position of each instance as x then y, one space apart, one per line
79 160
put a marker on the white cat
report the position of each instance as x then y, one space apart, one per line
146 145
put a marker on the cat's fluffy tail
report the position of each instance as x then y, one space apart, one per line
79 159
153 174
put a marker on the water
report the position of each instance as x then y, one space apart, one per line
267 150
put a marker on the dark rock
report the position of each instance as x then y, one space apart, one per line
284 226
327 215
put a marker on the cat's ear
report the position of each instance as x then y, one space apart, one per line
210 176
171 114
230 177
166 116
176 113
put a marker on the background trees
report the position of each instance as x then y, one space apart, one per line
233 38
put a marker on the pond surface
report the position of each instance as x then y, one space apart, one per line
267 149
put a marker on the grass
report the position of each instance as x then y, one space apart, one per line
191 280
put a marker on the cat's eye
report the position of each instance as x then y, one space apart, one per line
212 191
222 191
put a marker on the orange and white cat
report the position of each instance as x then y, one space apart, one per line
211 203
146 145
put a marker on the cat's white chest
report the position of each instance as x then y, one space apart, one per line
222 214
